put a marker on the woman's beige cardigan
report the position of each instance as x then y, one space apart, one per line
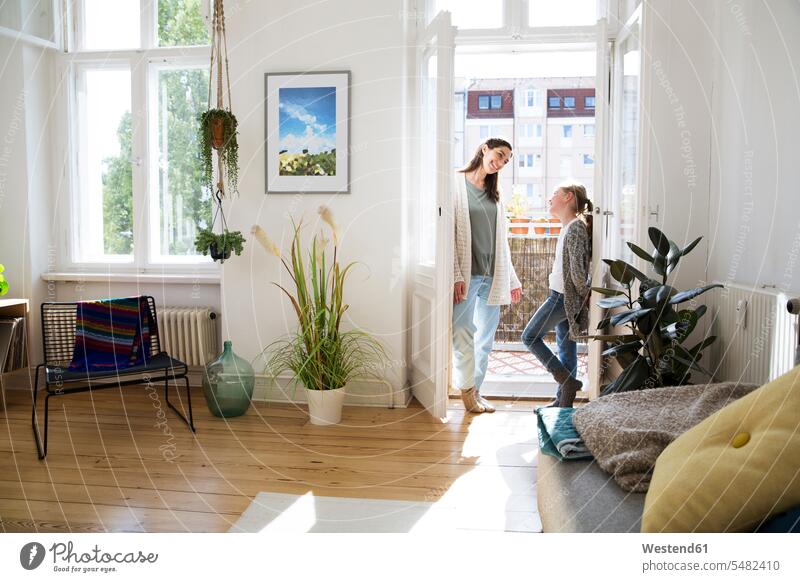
505 278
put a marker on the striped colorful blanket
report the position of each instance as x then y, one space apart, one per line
111 334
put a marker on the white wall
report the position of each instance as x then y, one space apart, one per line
365 38
25 172
755 178
678 70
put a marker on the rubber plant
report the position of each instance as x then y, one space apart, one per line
658 321
217 139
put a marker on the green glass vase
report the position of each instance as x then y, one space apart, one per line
228 384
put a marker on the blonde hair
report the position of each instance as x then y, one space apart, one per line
583 206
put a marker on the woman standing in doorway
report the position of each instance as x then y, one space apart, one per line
484 278
567 306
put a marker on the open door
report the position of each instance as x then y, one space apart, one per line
601 206
617 167
432 263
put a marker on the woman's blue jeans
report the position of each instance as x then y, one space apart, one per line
551 315
474 326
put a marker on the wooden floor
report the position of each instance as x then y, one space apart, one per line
111 467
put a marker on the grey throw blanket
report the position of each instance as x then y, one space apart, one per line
626 432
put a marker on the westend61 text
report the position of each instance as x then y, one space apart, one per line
96 555
670 549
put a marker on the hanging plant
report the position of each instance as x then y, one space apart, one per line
218 128
219 245
218 125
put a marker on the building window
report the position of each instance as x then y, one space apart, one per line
483 131
566 131
533 98
529 191
569 102
588 130
539 130
135 126
554 103
490 102
588 102
588 160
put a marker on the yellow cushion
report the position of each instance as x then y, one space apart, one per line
734 469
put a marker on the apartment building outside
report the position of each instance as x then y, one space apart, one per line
549 121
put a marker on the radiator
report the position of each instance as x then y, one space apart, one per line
189 334
756 334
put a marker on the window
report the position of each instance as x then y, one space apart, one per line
475 14
539 130
497 102
111 25
533 98
588 160
483 102
572 13
566 131
529 190
588 130
554 103
104 170
137 196
529 160
569 102
588 102
484 131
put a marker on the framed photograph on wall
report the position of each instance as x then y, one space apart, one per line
307 132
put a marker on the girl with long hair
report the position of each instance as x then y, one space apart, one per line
567 306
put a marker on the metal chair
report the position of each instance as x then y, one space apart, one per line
58 340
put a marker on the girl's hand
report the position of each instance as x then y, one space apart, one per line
516 295
458 292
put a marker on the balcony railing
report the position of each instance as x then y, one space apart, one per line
532 256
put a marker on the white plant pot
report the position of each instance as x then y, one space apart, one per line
325 406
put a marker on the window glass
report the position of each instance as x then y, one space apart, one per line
104 208
497 102
588 130
111 25
483 102
569 102
181 23
572 13
588 102
179 203
588 160
554 102
566 131
471 13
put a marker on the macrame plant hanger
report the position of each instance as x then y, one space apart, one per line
219 44
219 48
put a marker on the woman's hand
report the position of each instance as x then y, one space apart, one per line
516 295
459 292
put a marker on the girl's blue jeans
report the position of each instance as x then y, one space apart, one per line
549 316
474 326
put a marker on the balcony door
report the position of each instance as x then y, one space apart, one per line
432 263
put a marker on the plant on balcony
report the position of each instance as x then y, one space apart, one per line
517 209
652 354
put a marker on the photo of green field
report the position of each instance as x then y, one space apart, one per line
307 131
306 164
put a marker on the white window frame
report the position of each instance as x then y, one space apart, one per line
141 63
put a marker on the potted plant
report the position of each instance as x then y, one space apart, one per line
320 355
3 282
217 132
219 245
517 209
651 353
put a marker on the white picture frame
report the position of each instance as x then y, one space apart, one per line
307 132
